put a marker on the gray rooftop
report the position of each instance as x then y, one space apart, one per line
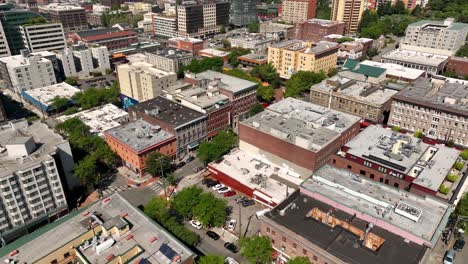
448 24
32 247
380 201
170 53
139 135
227 82
428 164
415 57
305 47
254 56
304 124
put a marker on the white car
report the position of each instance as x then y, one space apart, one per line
196 224
217 187
224 190
232 225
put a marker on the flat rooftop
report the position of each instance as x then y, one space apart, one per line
21 61
46 94
257 173
415 57
323 22
61 7
427 164
100 119
139 135
254 57
305 47
214 52
170 53
226 82
143 67
168 111
396 69
46 144
366 92
440 24
203 98
252 37
338 241
32 248
304 124
424 217
446 94
192 40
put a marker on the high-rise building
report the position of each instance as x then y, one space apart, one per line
73 18
202 19
4 48
243 12
81 61
348 11
297 11
165 26
44 36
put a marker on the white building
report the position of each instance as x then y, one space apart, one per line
27 71
254 42
147 24
47 36
42 97
4 48
165 26
431 63
81 61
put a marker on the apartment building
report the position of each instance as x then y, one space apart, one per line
437 37
437 107
202 19
243 12
141 81
168 59
165 26
94 17
4 47
291 56
35 173
298 11
43 37
72 18
27 71
314 30
112 38
349 12
192 45
81 61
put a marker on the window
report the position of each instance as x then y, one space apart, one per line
284 239
54 261
314 258
350 167
381 180
268 230
273 232
294 245
66 255
362 172
372 176
304 252
396 185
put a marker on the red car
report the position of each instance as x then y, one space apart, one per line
230 193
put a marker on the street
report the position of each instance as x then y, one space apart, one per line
437 254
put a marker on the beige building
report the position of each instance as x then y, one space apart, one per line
298 11
348 11
291 56
142 81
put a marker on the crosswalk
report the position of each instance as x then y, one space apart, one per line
114 189
156 187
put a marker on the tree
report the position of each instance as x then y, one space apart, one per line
109 71
221 144
156 208
416 10
226 43
323 9
464 154
255 109
463 51
186 200
265 93
210 211
254 27
399 8
299 260
372 52
396 128
418 134
462 207
211 259
235 53
86 170
158 164
345 39
368 17
197 66
301 82
222 30
266 72
256 249
450 74
59 104
72 80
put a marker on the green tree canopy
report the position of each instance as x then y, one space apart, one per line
301 82
72 80
221 144
265 93
323 9
257 249
94 97
235 53
157 208
255 109
299 260
210 211
157 163
418 134
254 27
266 72
197 66
185 201
464 154
86 171
211 259
59 104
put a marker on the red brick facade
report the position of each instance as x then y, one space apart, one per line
309 31
458 65
218 120
187 45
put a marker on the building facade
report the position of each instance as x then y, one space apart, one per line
243 12
81 61
253 42
112 38
314 30
72 18
165 26
432 64
168 59
349 12
458 65
298 11
192 45
43 37
4 47
202 19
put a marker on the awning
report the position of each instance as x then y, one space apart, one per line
262 196
193 145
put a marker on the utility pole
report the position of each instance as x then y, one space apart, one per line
240 221
163 179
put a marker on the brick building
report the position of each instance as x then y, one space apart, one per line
458 65
297 11
134 141
192 45
73 18
253 59
315 29
112 38
300 134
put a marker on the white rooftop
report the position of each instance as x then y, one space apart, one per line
46 94
193 40
214 52
396 69
20 61
143 67
223 81
415 57
61 7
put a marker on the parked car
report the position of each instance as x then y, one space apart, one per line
231 247
224 190
240 199
459 244
230 260
207 180
212 184
232 225
196 224
190 159
197 169
449 257
212 235
217 187
247 203
181 164
229 194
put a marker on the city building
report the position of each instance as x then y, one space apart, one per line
340 217
192 45
396 72
134 141
399 160
253 59
432 64
72 18
277 30
298 11
36 171
369 101
43 37
165 26
243 12
437 107
458 65
188 126
214 53
349 12
169 59
27 71
4 47
313 133
437 37
99 119
3 113
111 230
355 70
205 98
42 98
291 56
94 16
81 61
113 3
241 93
141 81
314 30
268 11
138 7
112 38
253 42
202 19
366 43
147 25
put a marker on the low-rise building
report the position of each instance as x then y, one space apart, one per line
134 141
280 30
43 37
138 7
43 97
141 81
291 56
188 126
314 30
168 59
214 53
112 38
437 107
396 72
253 42
192 45
81 61
353 69
369 101
35 173
94 16
458 65
430 63
253 59
147 25
111 230
313 133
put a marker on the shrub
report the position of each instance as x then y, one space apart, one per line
452 177
444 189
464 154
396 128
458 166
418 134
